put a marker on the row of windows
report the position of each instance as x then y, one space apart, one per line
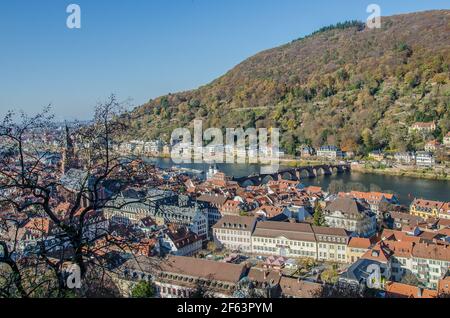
265 248
283 242
233 239
331 256
233 232
339 247
175 292
332 239
276 250
303 253
431 262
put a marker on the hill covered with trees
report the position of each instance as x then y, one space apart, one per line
346 85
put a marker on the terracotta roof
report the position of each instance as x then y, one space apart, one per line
400 249
271 211
445 232
443 223
379 253
62 208
427 204
371 196
428 236
399 236
398 290
424 125
446 208
313 189
261 276
433 143
358 242
432 251
42 225
299 289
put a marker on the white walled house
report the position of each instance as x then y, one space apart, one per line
234 233
331 244
447 140
425 159
284 239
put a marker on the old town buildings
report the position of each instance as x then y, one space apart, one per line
351 215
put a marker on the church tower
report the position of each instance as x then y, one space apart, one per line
68 155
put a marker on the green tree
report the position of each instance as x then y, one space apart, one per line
319 218
330 276
367 139
143 289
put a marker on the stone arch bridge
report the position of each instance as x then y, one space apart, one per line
295 174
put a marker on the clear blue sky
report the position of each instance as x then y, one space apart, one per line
141 49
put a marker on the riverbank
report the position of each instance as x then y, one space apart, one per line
410 172
407 188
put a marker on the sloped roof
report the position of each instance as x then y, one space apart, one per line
292 231
244 223
398 290
298 288
205 269
346 206
358 242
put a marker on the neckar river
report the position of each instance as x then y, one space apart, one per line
406 188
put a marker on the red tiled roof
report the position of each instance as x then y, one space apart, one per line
398 290
428 204
358 242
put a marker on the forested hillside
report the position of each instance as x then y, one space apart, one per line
345 85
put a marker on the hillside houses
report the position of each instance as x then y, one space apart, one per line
447 140
423 127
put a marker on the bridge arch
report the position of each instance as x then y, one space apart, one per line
319 171
248 183
288 175
336 169
304 173
266 179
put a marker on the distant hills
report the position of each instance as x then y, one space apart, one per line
344 85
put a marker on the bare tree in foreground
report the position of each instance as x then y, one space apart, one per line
61 211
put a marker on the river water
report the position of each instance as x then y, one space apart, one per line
406 188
